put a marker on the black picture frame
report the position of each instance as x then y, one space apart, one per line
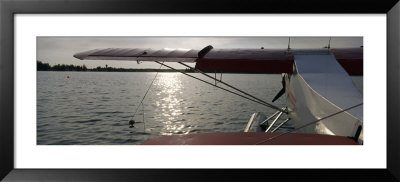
8 8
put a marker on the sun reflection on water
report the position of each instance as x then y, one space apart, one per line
170 88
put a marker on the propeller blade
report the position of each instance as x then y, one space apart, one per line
280 93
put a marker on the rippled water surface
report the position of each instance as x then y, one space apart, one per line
95 107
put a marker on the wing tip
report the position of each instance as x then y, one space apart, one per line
84 55
78 56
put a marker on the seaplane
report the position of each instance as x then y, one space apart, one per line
322 101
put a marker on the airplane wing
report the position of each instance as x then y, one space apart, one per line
224 60
139 54
351 59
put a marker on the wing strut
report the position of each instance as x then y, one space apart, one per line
230 86
308 124
259 101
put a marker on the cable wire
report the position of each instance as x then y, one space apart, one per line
141 102
217 86
230 86
308 124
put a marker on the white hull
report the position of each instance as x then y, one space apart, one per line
319 87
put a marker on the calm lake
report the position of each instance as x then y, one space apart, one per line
95 107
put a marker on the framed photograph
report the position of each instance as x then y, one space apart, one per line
69 88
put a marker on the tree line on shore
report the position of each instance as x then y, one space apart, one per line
64 67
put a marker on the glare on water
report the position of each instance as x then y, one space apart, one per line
171 85
95 107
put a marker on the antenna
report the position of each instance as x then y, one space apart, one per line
288 46
329 43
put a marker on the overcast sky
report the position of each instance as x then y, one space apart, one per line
60 50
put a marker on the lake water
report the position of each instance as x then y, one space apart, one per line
95 107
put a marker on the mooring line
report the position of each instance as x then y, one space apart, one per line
141 102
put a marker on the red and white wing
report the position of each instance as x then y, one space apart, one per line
139 54
225 60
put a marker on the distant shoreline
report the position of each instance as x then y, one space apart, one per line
63 67
124 70
154 71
